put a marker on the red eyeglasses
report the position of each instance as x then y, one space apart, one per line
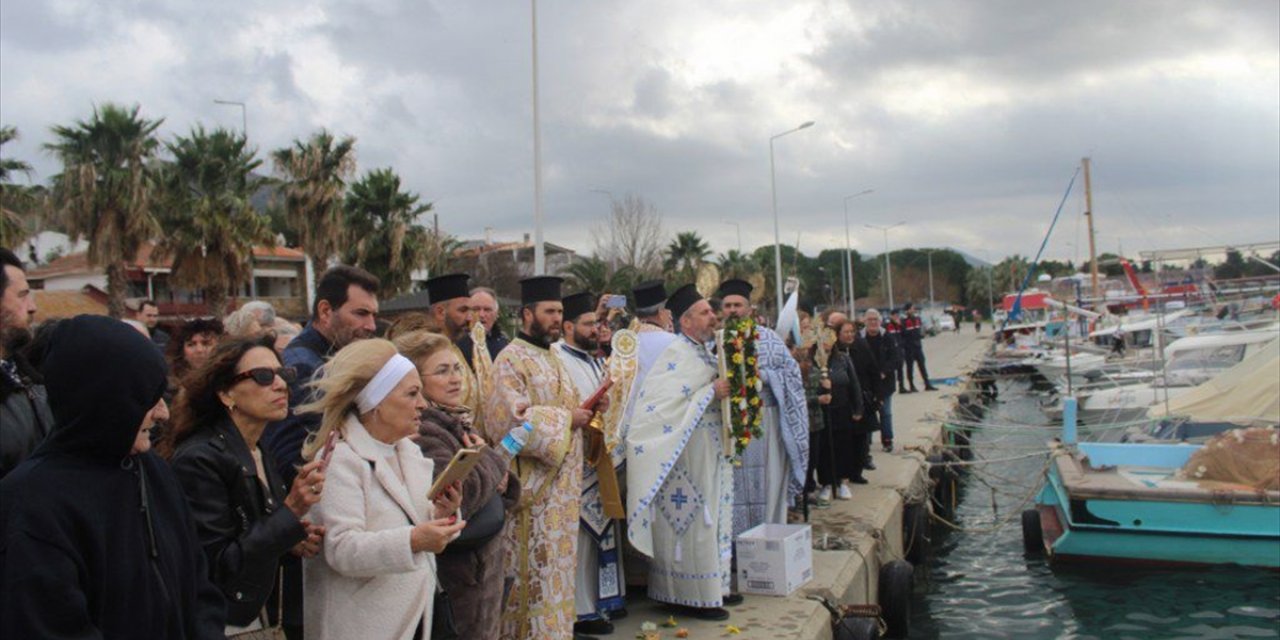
264 376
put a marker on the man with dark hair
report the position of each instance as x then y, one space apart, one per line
679 484
25 418
531 385
599 552
345 310
148 314
771 475
484 304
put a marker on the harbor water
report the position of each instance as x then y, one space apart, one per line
980 584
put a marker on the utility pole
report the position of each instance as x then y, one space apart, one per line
1088 214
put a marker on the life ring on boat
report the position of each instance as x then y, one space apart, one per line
1032 533
915 533
896 579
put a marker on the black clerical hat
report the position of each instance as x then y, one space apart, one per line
447 287
540 289
578 304
735 288
648 294
682 299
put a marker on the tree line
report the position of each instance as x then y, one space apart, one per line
203 199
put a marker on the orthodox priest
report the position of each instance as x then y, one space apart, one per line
541 534
679 483
450 315
772 472
600 592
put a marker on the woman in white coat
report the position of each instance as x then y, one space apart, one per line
375 576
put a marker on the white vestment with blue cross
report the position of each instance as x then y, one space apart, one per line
679 501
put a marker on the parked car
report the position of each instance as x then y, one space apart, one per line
944 322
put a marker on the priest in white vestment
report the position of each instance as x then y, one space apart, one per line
679 481
771 476
600 591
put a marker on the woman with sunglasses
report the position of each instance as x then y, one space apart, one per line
244 517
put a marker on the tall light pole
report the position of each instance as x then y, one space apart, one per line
848 251
613 232
244 115
929 254
539 252
738 226
888 269
777 237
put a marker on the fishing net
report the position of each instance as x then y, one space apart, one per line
1249 457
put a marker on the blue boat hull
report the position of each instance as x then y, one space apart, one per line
1082 526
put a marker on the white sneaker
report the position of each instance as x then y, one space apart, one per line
844 493
824 495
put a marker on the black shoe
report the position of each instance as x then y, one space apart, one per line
902 390
929 387
913 389
597 627
733 600
888 447
869 465
618 614
858 480
702 613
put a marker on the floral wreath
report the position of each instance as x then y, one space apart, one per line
743 375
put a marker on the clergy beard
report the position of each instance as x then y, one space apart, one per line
584 342
544 335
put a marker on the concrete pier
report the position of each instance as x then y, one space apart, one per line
870 524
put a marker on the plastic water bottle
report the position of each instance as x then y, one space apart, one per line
516 439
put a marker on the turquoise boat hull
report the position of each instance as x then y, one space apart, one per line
1125 506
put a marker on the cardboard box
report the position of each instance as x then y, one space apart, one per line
775 559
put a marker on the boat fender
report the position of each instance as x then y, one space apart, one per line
1032 533
895 597
915 533
856 628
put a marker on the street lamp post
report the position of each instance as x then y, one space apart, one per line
539 251
738 226
888 269
929 254
244 115
848 251
777 237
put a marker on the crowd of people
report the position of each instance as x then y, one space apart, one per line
246 476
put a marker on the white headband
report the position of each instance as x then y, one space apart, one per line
381 385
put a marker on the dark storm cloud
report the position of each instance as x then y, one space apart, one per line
968 118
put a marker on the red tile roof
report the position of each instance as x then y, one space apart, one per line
65 304
79 262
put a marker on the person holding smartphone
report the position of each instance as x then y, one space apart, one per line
245 518
375 573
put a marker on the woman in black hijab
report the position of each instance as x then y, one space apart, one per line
95 536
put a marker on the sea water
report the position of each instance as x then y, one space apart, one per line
980 584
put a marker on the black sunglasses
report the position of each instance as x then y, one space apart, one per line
264 376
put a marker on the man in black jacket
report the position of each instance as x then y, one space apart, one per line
25 418
96 540
913 348
880 356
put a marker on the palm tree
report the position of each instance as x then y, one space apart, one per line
316 172
595 275
735 264
12 229
105 189
385 237
210 226
685 254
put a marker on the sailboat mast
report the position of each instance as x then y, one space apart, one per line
1088 213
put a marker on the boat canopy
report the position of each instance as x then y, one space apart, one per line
1144 324
1221 339
1249 390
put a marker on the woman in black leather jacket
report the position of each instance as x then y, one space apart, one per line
244 518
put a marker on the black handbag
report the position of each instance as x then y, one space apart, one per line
443 626
481 527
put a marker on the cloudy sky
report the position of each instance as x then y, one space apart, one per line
968 119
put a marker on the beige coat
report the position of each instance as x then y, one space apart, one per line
366 582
